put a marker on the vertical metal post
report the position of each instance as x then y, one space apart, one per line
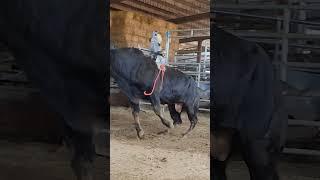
168 36
199 49
204 66
277 46
199 73
276 52
205 54
284 45
302 15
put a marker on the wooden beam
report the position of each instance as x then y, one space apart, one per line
200 6
126 7
192 39
187 51
149 8
116 1
188 4
154 9
191 18
181 11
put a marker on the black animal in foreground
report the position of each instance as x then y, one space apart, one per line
246 106
61 46
135 73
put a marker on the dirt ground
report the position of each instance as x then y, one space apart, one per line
38 161
158 156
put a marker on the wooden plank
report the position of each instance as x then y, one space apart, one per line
191 39
126 7
191 18
150 7
116 1
179 52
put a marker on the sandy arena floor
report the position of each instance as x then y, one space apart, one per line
158 156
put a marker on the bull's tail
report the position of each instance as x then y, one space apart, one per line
192 111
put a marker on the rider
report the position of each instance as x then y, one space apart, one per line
155 48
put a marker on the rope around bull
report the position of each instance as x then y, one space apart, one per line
161 71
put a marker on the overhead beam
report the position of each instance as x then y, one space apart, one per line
126 7
170 6
116 1
158 9
148 6
191 18
192 39
198 5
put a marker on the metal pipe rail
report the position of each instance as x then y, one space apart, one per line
265 7
200 109
296 122
275 35
301 151
178 63
265 17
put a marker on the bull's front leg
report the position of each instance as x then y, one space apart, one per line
155 101
135 114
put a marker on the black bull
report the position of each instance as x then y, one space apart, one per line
62 47
246 106
135 73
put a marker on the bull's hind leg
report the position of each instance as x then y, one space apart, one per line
192 116
135 113
260 160
155 101
176 116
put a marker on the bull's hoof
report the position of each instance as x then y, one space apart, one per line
171 125
168 124
140 134
177 123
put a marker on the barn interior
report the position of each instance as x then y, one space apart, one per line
30 133
184 27
289 31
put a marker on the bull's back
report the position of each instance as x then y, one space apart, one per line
179 87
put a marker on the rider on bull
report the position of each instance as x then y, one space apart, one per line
155 48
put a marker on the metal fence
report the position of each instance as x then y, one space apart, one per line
281 41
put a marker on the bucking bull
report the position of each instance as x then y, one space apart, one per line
62 47
135 74
246 106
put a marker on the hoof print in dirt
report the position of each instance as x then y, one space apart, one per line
163 132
